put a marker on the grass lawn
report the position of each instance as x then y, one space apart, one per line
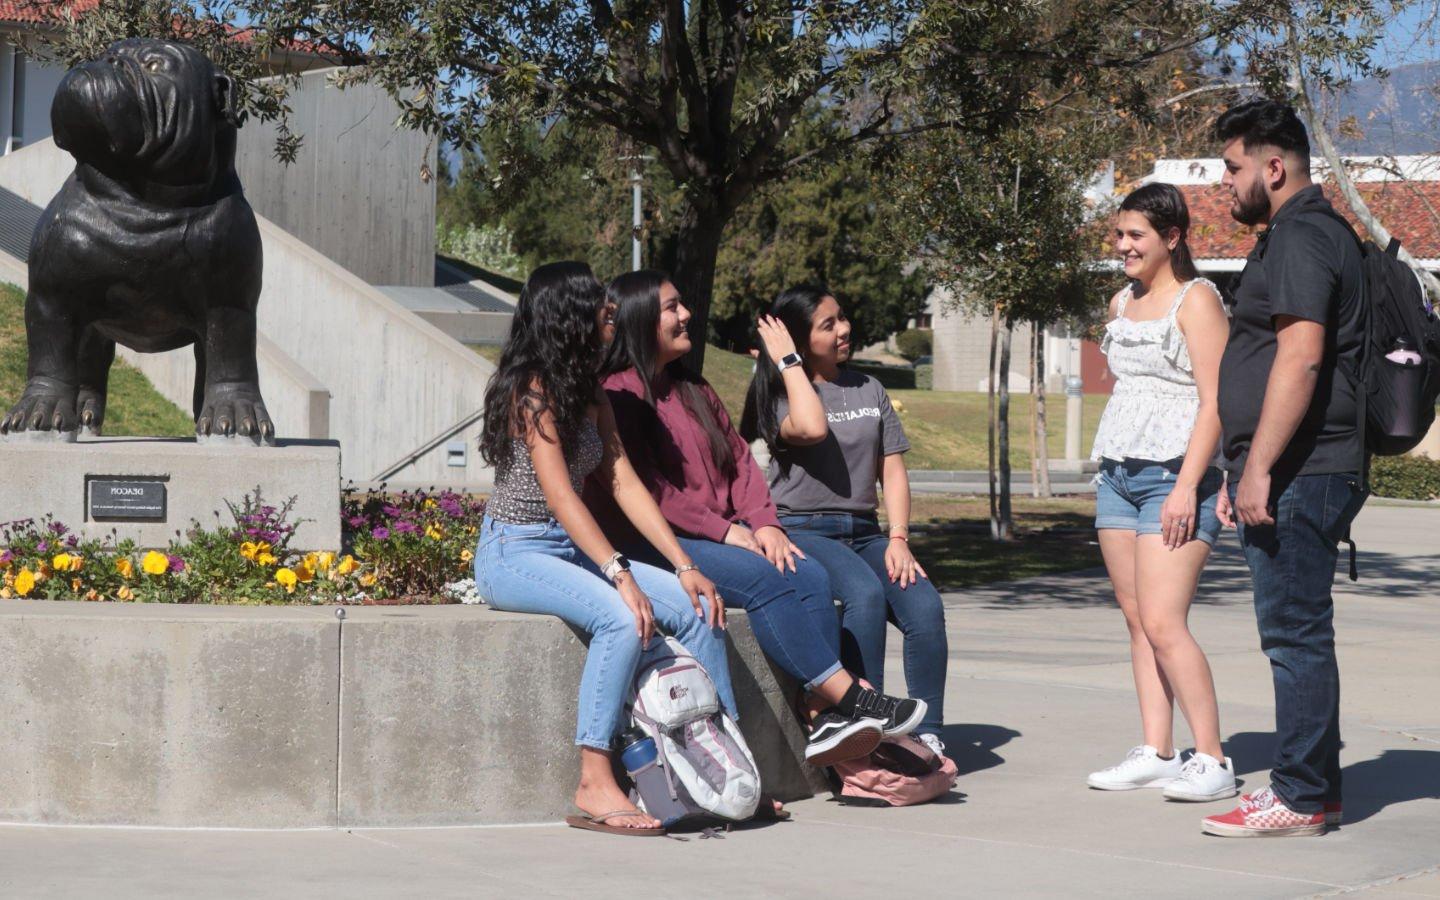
134 406
1051 536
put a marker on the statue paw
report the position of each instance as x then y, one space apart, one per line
44 406
90 407
235 411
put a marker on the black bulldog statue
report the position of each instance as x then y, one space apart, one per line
150 243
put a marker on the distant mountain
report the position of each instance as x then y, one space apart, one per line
1398 115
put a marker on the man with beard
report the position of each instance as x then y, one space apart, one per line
1294 450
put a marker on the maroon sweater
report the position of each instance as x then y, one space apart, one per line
675 462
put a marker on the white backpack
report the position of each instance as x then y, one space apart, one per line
709 770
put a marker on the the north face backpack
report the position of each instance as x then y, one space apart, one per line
901 771
709 772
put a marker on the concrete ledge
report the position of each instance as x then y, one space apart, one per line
48 476
290 717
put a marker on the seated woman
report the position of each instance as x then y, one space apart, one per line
832 433
679 438
546 428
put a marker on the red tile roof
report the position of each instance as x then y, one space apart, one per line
36 11
1409 209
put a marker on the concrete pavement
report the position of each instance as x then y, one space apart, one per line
1039 694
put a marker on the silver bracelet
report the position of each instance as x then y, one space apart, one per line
688 567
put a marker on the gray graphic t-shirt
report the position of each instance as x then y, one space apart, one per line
839 473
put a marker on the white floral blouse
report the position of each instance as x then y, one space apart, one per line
1151 412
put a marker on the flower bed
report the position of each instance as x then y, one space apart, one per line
415 547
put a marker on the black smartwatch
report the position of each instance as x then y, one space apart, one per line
788 360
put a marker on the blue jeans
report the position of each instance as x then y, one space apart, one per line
792 615
852 550
538 569
1292 567
1129 496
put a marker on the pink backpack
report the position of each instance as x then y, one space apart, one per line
902 771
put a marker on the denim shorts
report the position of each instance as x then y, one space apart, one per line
1129 495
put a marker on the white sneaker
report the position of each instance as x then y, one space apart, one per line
1202 778
1142 768
932 741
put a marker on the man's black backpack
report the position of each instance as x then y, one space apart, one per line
1396 401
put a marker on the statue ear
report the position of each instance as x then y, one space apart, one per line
227 99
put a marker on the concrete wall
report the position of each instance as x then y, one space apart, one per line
394 379
289 717
354 191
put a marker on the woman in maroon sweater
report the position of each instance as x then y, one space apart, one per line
700 471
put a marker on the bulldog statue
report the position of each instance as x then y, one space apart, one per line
150 244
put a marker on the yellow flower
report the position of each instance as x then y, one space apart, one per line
75 585
368 579
434 532
266 559
6 593
324 561
430 504
77 563
466 556
125 567
305 573
249 550
347 565
24 582
7 579
92 594
43 571
61 562
286 579
898 405
124 593
155 563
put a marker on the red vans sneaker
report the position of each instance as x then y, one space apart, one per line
1263 814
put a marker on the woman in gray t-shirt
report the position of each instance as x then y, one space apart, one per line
833 435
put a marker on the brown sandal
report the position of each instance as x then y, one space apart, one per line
597 823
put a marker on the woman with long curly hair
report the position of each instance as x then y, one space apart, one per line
547 427
709 488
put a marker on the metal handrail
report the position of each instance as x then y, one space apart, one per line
429 445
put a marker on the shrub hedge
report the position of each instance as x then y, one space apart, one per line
1405 477
915 343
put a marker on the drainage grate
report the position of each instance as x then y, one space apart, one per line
18 217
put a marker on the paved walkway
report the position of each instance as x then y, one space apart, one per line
1039 695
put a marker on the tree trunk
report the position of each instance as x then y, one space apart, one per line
1042 437
692 271
1006 529
1034 425
990 426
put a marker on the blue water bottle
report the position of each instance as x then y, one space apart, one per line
637 751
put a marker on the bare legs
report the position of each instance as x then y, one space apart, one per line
1154 587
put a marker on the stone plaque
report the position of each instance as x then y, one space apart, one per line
126 498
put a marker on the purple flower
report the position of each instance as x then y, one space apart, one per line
356 521
5 557
390 510
58 529
176 563
380 533
72 541
42 547
407 527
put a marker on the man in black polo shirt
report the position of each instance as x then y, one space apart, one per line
1293 448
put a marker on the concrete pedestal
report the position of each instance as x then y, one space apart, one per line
146 489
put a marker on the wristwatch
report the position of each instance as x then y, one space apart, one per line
617 564
788 360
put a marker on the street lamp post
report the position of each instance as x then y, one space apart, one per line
637 216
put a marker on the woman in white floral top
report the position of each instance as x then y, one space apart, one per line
1158 487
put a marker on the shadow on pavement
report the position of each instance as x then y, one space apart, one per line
972 746
1226 582
1395 776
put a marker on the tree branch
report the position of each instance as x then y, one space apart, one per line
1210 88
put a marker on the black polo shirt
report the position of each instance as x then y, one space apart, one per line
1306 265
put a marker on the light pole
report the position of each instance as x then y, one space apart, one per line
637 217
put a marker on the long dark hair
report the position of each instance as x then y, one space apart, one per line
636 296
550 362
795 308
1163 206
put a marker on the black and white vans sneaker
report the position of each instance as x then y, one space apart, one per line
835 738
899 716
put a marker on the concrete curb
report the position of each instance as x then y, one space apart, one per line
285 717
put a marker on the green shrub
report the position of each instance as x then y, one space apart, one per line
925 377
1405 477
915 343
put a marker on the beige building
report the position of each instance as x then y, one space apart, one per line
962 350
